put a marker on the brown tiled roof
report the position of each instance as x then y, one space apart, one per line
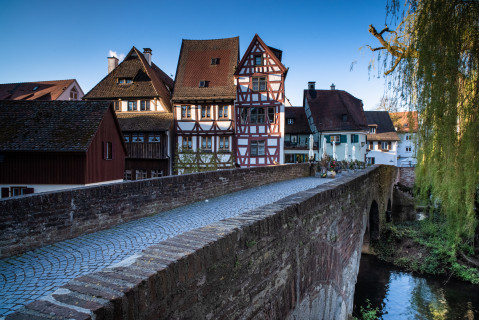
300 121
148 81
405 121
194 65
385 128
145 121
329 106
52 126
46 90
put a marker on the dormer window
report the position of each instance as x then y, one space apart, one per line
203 84
258 60
344 117
372 130
215 61
290 121
125 80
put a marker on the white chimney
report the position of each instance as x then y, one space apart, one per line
333 87
112 63
147 54
312 85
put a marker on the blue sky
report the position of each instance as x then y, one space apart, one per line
53 40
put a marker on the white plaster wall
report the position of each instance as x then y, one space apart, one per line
360 151
66 94
381 157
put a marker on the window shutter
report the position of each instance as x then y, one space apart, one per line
344 138
328 139
5 193
28 191
104 150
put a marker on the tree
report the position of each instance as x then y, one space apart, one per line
432 62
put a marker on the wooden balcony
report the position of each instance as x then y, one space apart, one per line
146 150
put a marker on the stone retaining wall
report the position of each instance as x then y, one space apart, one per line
407 176
297 258
32 221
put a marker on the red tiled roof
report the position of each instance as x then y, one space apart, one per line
384 126
45 90
300 124
148 81
405 121
194 65
329 106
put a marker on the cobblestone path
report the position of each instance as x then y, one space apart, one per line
25 278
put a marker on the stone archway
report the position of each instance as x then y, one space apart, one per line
372 227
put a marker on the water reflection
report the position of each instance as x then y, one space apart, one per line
401 295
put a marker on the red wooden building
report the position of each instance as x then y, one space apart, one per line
52 145
203 102
260 106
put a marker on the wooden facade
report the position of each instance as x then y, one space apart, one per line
259 106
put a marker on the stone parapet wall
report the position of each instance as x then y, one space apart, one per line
297 258
407 176
32 221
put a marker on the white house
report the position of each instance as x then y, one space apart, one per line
382 139
406 124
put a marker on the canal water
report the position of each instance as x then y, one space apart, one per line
403 295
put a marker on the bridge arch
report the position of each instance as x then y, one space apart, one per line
389 212
374 221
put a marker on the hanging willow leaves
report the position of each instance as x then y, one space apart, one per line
432 62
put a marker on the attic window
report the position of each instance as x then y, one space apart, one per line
406 125
215 61
258 60
35 88
125 80
372 130
290 121
344 117
203 84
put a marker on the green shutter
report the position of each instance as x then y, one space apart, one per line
344 138
328 140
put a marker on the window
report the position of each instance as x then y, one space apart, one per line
259 83
137 137
125 80
258 60
223 112
127 137
294 139
156 173
206 112
371 160
215 61
335 138
73 94
408 149
372 130
257 148
354 138
271 114
224 144
18 191
206 143
371 145
145 105
185 112
408 137
127 175
140 174
116 105
154 137
107 150
290 121
35 88
244 115
187 143
131 105
257 115
385 145
344 117
203 84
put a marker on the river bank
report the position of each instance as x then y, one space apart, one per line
422 247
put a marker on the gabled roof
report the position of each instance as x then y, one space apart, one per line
300 125
50 126
405 121
145 121
384 126
328 107
148 81
38 90
274 53
195 65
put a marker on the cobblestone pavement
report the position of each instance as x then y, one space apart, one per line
25 278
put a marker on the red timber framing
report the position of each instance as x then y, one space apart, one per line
259 106
204 140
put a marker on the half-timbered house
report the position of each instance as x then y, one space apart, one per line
53 145
260 106
203 103
141 93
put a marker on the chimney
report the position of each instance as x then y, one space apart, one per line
112 63
312 85
147 55
333 87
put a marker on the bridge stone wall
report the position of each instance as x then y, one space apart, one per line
32 221
295 259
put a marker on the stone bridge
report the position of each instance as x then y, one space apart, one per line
296 257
